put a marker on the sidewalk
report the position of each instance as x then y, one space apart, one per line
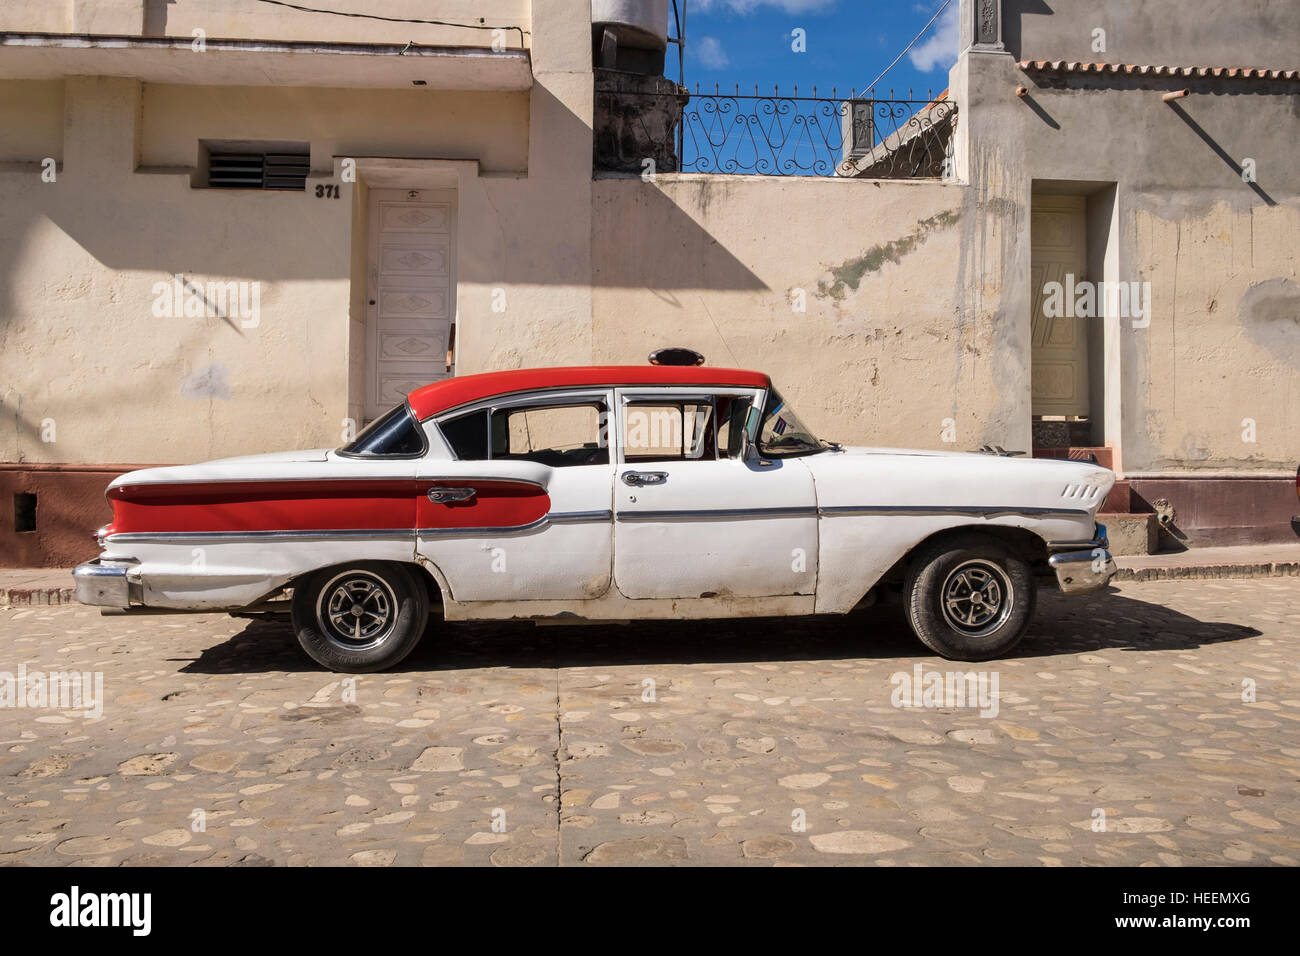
21 587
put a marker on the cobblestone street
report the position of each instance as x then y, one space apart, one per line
1120 737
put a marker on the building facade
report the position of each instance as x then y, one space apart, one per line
239 227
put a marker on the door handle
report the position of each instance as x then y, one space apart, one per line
446 495
639 478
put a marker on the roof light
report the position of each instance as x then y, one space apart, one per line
676 356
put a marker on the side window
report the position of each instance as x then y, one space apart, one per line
733 418
665 431
555 435
467 435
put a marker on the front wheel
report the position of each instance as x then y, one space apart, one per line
360 618
970 598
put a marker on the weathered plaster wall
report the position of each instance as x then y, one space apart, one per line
903 325
1223 344
1258 33
491 128
79 258
248 19
31 115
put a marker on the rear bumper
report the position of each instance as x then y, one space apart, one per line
102 585
1081 572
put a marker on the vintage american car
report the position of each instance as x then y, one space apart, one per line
599 493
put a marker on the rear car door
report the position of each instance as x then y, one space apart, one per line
523 513
693 518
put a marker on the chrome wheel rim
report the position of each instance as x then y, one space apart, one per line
356 610
977 598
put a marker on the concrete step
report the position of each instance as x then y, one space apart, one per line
1131 534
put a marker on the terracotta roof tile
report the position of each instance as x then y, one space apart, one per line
1129 69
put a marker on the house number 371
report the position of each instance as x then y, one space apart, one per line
327 191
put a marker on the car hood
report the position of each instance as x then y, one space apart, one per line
858 476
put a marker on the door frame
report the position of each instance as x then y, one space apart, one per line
375 195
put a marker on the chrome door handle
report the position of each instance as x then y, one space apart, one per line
644 477
444 495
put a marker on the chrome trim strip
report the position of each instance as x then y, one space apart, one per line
567 517
974 511
717 513
490 532
164 536
1077 545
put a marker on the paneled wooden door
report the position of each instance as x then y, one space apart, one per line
1059 373
410 294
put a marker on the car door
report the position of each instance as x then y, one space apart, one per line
693 517
523 512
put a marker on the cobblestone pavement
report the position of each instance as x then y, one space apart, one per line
1128 705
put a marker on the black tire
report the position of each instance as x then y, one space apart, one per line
988 591
394 610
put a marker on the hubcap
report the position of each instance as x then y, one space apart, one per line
356 610
977 597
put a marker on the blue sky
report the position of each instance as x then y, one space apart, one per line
848 43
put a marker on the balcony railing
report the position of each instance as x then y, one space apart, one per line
672 129
816 136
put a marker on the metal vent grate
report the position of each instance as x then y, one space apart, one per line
258 170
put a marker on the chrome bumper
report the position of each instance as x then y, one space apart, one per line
1081 572
102 585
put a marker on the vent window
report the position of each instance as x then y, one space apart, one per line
256 165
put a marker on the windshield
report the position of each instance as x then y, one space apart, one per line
782 434
394 434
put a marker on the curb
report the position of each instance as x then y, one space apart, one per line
1273 569
34 597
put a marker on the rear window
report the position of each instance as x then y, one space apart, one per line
395 434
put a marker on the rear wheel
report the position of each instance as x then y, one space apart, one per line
360 618
970 598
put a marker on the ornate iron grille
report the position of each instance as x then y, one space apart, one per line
815 136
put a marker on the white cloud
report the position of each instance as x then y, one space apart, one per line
939 49
710 52
744 7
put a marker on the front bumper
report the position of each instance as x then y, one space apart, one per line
103 585
1081 572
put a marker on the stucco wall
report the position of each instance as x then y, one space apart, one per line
1223 343
903 325
249 19
84 360
1257 33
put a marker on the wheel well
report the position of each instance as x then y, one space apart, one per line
422 574
1024 542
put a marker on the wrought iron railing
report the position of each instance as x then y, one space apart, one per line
815 136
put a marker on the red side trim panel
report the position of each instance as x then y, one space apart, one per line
321 505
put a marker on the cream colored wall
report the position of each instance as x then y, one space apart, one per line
79 258
489 127
893 341
1222 353
31 116
249 19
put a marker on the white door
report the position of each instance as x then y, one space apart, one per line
411 292
692 519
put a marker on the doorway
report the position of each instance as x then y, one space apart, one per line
1061 321
410 293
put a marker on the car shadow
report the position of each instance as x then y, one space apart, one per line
1063 626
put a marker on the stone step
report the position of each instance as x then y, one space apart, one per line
1131 534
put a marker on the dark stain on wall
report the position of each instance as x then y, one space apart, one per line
850 273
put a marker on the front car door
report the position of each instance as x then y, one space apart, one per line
693 517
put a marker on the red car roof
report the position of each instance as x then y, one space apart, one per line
451 392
